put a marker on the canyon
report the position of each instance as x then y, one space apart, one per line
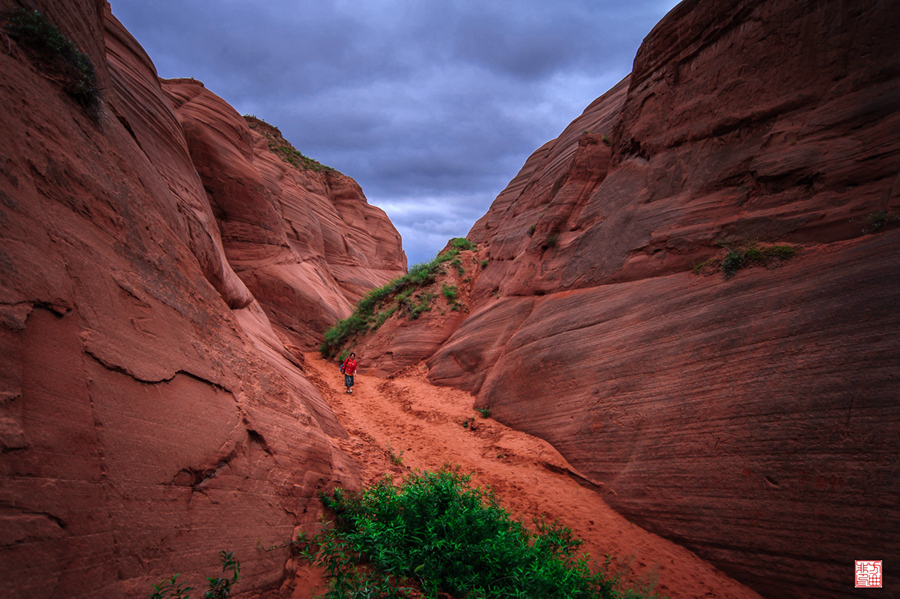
688 298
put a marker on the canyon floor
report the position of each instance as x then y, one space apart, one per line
404 423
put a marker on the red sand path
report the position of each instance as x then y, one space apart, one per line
407 414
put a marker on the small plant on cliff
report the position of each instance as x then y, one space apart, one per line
282 148
877 221
738 258
56 55
437 533
449 291
485 411
551 241
733 262
218 588
424 305
461 243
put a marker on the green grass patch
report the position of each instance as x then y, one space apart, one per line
435 533
423 305
878 221
450 292
738 258
551 241
461 243
401 294
56 56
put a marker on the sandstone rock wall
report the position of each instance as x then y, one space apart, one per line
751 418
305 242
150 415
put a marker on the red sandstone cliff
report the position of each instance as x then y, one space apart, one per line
752 418
150 415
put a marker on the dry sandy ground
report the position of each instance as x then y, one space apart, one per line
406 419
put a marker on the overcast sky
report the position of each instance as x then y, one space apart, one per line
431 105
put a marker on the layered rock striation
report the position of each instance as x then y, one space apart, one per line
150 414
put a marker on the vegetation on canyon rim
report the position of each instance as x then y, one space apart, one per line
282 148
434 533
404 292
58 58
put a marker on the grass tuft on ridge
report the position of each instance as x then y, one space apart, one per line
399 294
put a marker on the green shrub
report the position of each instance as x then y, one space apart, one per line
424 305
218 588
484 263
738 258
733 262
485 411
877 220
437 532
461 243
450 292
56 55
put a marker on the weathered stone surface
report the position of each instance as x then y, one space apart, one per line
150 414
753 418
305 241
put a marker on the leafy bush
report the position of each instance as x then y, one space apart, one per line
461 243
450 292
551 241
219 588
424 305
56 55
485 411
733 262
436 532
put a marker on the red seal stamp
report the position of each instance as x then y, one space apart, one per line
868 574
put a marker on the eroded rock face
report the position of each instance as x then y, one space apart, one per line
749 418
305 242
150 414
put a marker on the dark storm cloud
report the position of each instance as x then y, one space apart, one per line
431 106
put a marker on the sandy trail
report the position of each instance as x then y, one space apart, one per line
406 419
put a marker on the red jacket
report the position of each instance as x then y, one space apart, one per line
349 366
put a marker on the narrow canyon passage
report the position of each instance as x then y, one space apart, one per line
405 423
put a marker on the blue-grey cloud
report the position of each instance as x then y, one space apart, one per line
431 106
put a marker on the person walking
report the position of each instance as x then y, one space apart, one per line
349 370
